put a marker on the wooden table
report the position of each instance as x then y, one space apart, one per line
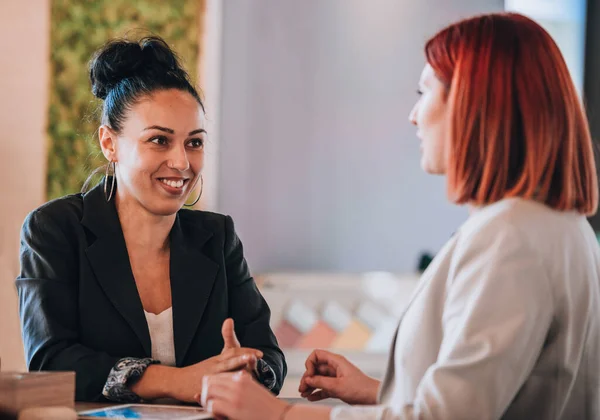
81 406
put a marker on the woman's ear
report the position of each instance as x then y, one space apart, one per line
108 143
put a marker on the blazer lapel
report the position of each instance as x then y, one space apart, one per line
109 260
390 371
192 278
387 382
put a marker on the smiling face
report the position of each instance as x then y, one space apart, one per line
159 151
431 117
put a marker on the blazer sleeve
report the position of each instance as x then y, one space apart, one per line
495 319
47 287
249 309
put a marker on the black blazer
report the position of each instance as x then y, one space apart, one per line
80 309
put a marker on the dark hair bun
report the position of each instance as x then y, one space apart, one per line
150 57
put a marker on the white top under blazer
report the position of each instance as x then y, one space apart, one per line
160 327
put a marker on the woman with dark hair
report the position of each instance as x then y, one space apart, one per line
140 297
505 322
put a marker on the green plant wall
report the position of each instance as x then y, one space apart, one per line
78 28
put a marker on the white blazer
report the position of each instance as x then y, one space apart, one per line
504 324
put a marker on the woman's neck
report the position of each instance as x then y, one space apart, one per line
143 231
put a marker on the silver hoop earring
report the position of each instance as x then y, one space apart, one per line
201 189
112 184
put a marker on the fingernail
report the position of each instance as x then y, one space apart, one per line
209 406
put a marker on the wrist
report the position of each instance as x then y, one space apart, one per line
154 383
178 382
282 411
170 384
373 392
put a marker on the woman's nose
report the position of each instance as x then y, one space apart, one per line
178 159
412 117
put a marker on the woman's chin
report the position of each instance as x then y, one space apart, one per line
164 207
425 165
431 168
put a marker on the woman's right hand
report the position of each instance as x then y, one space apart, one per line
330 375
233 357
183 383
187 381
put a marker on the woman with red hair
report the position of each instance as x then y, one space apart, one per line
505 322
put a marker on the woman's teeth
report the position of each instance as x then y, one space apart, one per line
174 184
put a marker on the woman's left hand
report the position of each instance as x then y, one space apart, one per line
237 396
231 343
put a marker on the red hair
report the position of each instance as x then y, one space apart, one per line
518 127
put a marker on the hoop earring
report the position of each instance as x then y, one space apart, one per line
200 195
112 185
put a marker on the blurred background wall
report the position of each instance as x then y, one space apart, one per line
319 166
24 51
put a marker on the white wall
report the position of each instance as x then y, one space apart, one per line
209 70
24 56
318 164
